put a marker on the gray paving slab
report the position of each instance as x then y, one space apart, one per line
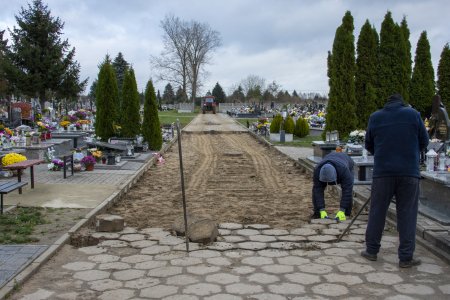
14 258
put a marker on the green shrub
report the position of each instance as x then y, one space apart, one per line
289 125
276 123
301 128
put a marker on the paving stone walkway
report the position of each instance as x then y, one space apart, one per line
248 262
13 258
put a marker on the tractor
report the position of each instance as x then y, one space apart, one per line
208 104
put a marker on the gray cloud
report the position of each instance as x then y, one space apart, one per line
286 40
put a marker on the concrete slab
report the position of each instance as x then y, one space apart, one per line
62 195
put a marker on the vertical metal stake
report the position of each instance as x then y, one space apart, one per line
180 154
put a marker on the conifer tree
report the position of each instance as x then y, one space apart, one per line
276 124
407 60
443 82
151 129
120 66
130 106
301 128
41 58
168 94
422 82
366 74
218 93
391 60
289 125
341 113
107 100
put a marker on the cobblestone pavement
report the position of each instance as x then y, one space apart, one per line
249 262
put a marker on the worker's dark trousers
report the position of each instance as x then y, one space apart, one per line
406 192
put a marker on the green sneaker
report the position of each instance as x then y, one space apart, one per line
340 216
323 214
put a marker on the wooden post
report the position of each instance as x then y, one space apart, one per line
180 154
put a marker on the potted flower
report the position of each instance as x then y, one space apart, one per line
88 162
64 124
55 165
12 158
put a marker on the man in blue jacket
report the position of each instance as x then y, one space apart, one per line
395 136
335 168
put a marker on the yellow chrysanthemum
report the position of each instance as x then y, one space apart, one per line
12 158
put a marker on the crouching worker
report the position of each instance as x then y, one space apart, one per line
335 168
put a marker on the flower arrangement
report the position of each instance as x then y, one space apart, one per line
97 154
5 131
81 114
357 136
64 123
84 122
55 165
88 160
12 158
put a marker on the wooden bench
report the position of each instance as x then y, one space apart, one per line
7 187
22 166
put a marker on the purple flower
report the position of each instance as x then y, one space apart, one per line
88 160
58 162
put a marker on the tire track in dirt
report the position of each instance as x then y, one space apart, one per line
261 162
201 174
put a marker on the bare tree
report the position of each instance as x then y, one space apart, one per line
187 48
203 41
253 82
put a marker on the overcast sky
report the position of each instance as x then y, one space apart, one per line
284 40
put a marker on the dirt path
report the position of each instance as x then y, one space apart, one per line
228 177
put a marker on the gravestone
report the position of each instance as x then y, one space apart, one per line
439 121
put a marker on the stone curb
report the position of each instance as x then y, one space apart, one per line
34 266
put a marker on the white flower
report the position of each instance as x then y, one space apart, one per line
50 166
354 133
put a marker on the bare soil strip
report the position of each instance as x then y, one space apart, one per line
228 177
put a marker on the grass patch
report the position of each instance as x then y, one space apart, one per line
17 225
171 116
243 121
300 142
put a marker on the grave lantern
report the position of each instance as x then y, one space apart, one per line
431 160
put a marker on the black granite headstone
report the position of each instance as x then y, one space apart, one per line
439 121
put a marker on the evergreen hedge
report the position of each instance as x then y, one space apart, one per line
151 129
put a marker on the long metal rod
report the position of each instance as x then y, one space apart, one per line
353 220
180 154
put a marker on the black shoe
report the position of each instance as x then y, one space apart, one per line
409 263
315 215
366 255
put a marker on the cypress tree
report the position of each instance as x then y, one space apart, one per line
407 60
341 64
130 106
390 67
443 82
422 82
107 97
151 129
366 73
